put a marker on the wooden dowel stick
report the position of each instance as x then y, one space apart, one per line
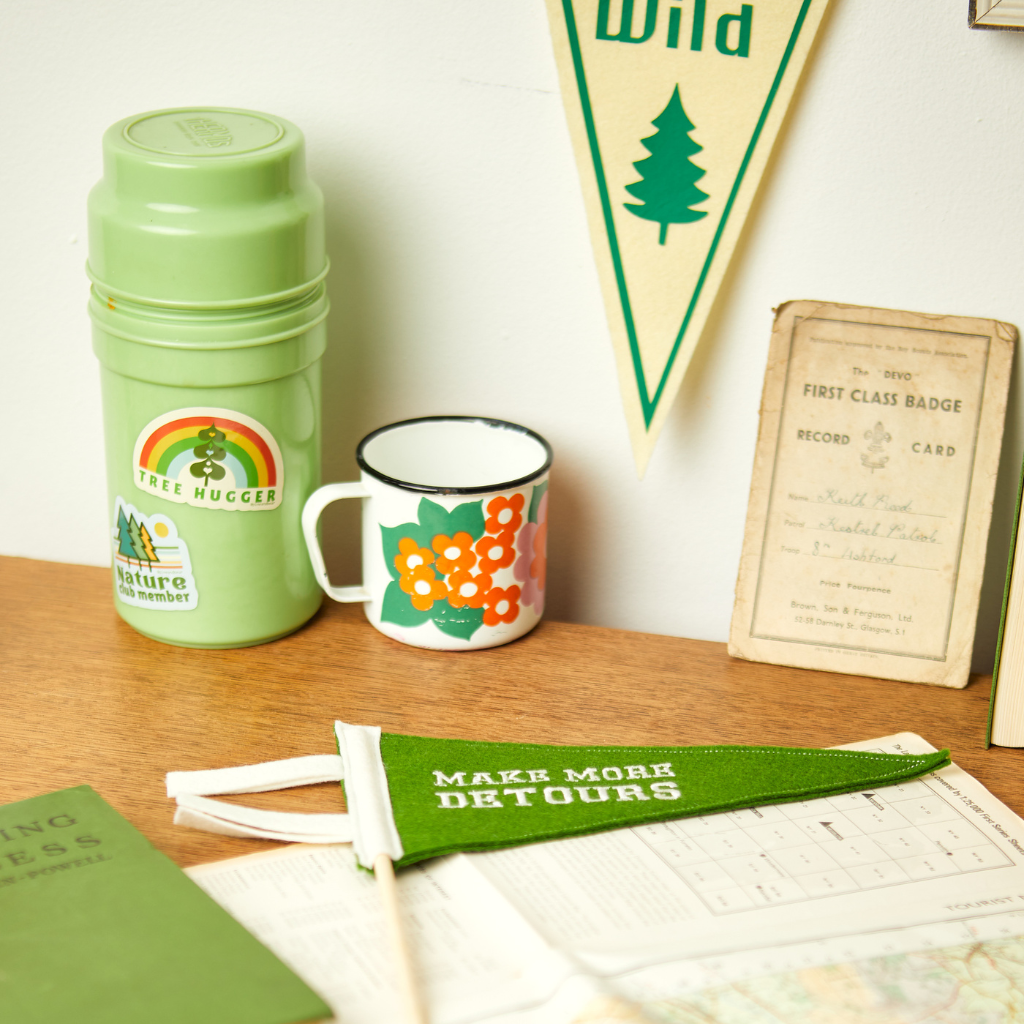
384 871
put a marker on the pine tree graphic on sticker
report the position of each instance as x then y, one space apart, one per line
209 452
133 539
124 536
667 188
146 541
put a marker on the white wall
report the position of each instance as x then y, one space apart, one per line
463 279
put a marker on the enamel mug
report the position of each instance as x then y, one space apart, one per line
454 531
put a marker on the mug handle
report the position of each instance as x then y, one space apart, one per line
315 504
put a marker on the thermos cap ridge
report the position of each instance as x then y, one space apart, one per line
205 208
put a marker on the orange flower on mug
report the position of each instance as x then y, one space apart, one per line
468 590
411 556
504 514
496 552
454 552
502 605
423 587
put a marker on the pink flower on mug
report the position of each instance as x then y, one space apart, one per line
502 605
423 587
496 552
531 594
454 552
532 565
539 565
504 514
411 556
468 590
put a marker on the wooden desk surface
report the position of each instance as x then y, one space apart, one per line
86 699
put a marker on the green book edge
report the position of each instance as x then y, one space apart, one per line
1002 615
99 926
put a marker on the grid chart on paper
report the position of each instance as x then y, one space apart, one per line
790 853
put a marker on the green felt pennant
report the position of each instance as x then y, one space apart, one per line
451 795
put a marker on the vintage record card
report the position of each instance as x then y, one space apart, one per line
872 492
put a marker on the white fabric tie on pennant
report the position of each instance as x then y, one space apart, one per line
367 793
196 811
233 820
258 778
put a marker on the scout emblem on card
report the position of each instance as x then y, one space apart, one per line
673 109
210 458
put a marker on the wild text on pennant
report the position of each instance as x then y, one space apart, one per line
737 46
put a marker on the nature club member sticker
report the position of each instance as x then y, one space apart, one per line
152 568
210 458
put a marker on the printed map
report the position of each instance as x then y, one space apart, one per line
976 983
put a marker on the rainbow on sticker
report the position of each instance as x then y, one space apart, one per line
209 458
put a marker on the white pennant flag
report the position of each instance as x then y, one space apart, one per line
673 107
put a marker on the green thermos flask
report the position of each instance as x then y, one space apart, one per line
207 261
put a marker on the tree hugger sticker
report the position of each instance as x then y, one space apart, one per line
210 458
665 208
152 568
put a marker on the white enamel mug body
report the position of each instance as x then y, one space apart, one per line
454 531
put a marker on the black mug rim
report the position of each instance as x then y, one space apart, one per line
438 489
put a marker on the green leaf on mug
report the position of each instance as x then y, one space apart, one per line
538 493
468 516
433 517
397 608
460 622
391 535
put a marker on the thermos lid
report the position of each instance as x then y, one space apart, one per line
205 208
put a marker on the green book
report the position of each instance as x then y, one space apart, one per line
99 927
1006 703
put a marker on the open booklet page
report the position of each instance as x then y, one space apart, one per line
475 955
536 934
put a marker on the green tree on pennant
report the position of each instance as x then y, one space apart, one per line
667 189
